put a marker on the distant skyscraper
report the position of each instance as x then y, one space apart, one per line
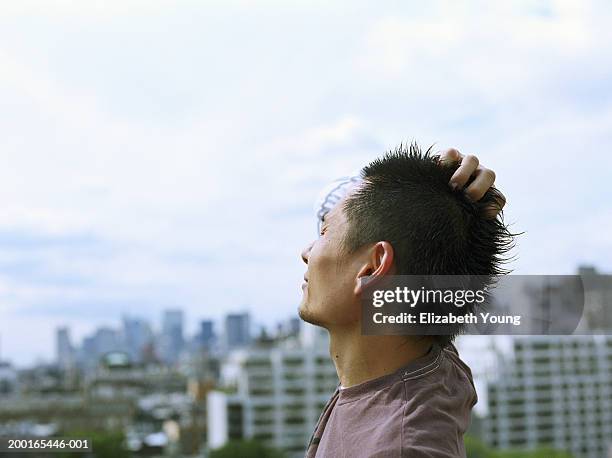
64 349
103 341
172 335
237 330
598 298
106 340
88 354
137 335
207 333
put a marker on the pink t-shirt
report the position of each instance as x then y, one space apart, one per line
420 411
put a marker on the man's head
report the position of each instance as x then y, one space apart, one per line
402 218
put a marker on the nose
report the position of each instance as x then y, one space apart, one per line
306 253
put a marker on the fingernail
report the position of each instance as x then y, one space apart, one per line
454 186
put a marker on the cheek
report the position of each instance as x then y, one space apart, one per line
329 279
321 262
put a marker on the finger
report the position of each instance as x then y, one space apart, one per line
450 156
483 180
493 210
468 166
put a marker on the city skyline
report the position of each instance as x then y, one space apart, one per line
124 327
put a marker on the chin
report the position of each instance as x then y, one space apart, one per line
307 315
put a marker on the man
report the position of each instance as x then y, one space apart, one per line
408 213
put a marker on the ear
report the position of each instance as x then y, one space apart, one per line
378 262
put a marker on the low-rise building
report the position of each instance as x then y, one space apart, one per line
555 391
275 394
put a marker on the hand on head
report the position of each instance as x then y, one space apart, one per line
483 178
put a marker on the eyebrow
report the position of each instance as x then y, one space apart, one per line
322 222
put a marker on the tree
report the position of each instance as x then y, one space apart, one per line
246 449
476 449
103 444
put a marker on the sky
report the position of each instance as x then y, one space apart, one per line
160 154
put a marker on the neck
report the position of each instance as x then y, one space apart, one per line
360 358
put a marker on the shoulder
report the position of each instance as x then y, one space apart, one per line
437 409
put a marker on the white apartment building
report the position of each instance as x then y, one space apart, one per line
556 391
278 393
